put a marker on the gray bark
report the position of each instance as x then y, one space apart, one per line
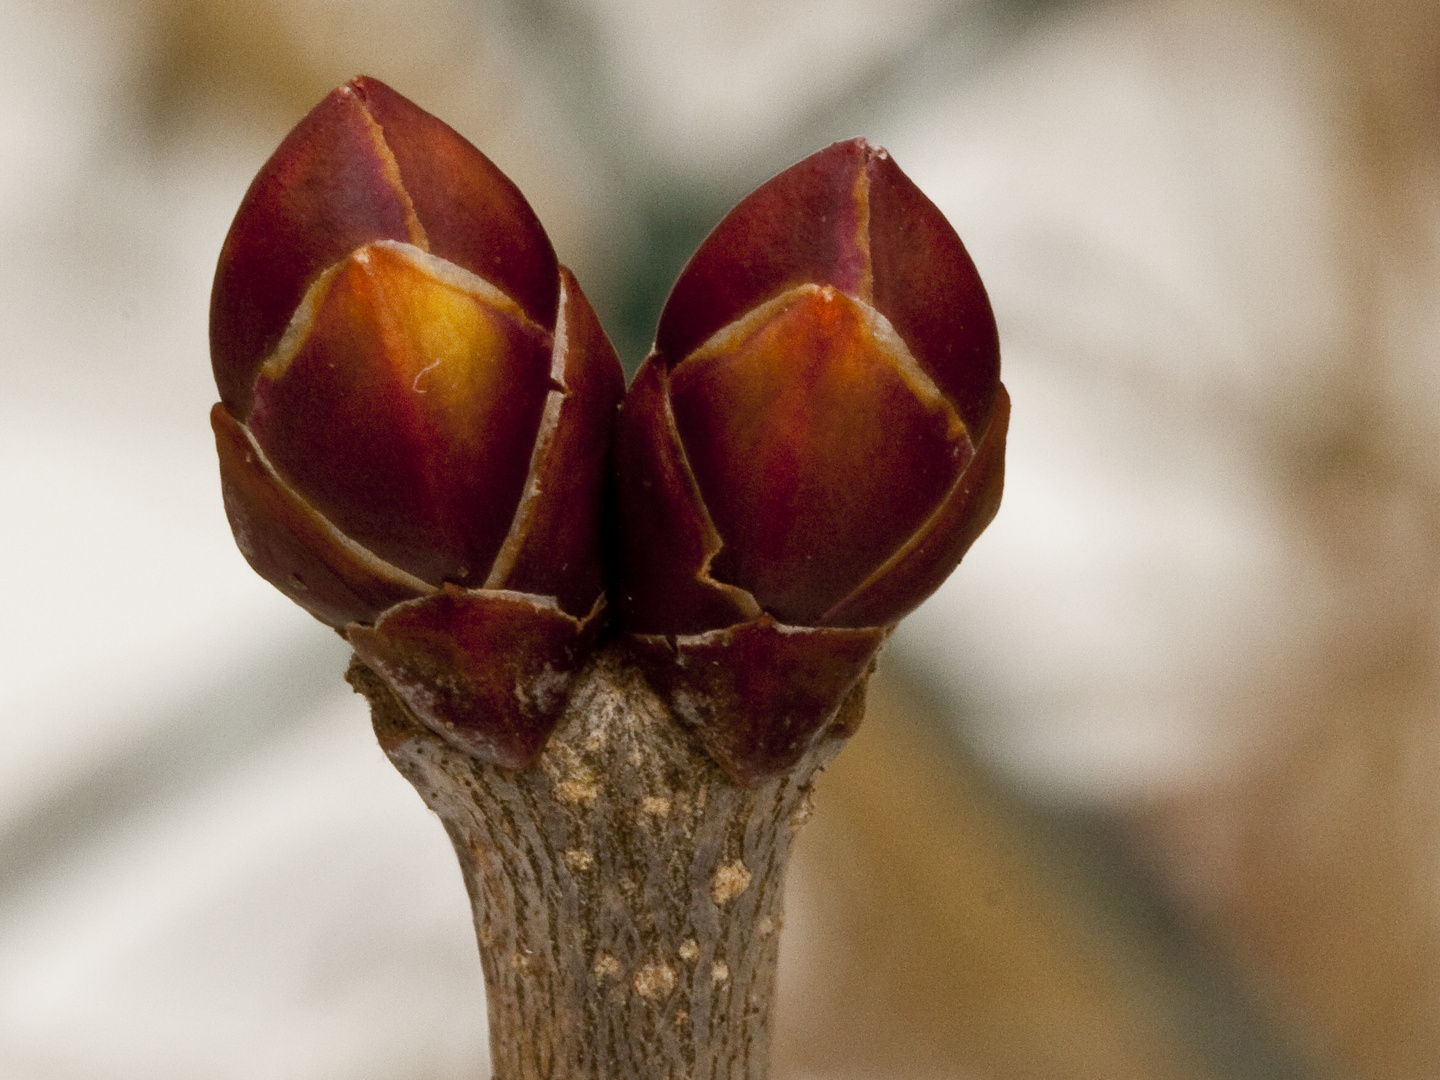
628 896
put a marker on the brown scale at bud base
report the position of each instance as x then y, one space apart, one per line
416 409
816 439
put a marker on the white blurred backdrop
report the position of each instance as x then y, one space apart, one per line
1205 614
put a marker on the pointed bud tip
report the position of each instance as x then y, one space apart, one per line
386 338
365 165
824 371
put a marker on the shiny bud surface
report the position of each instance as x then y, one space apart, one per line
817 437
416 408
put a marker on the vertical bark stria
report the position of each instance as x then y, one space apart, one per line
627 894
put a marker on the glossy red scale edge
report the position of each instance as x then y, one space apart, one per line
758 695
488 670
557 548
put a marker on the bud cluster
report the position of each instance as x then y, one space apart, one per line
422 437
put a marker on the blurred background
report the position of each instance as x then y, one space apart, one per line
1148 790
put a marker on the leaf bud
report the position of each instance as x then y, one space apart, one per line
813 443
416 408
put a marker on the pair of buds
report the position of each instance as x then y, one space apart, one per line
426 440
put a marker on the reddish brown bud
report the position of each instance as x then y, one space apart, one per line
414 395
818 435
